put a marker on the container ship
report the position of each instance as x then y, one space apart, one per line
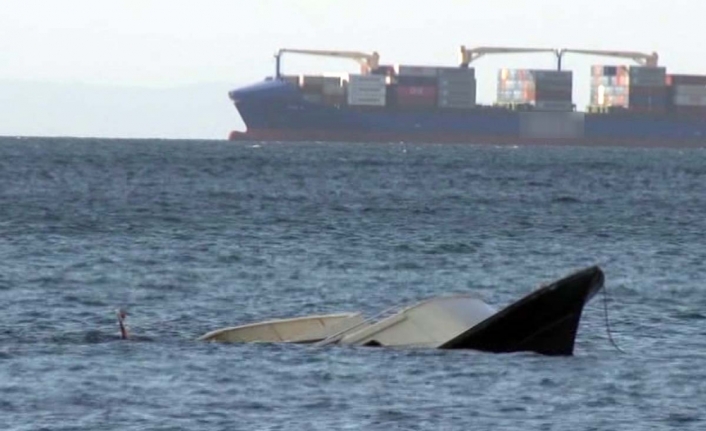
630 105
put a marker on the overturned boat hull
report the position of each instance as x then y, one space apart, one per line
308 329
545 321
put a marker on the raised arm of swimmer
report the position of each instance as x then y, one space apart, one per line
121 321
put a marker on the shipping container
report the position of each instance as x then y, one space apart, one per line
609 71
527 86
691 90
418 71
457 95
648 76
453 73
415 96
386 70
463 81
416 80
648 91
359 79
561 77
366 90
553 95
365 101
333 86
647 101
636 88
457 86
417 91
334 90
605 89
461 92
291 79
311 81
647 81
686 79
689 100
553 106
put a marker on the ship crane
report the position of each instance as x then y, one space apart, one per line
367 62
641 58
469 55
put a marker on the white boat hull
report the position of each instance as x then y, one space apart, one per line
308 329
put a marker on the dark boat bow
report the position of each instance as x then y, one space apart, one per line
545 321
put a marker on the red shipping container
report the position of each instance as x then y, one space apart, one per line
417 91
416 96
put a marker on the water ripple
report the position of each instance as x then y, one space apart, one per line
192 236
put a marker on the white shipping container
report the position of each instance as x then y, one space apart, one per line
613 101
600 95
616 89
366 101
367 90
421 71
516 85
364 98
607 80
511 96
689 100
375 92
690 90
357 86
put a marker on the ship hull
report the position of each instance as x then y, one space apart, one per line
283 135
276 111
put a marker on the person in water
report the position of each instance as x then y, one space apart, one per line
122 315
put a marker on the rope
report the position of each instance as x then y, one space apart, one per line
607 321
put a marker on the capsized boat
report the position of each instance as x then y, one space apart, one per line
307 329
544 321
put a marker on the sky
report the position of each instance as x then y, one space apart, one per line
162 68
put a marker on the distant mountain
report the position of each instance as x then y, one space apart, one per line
199 111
